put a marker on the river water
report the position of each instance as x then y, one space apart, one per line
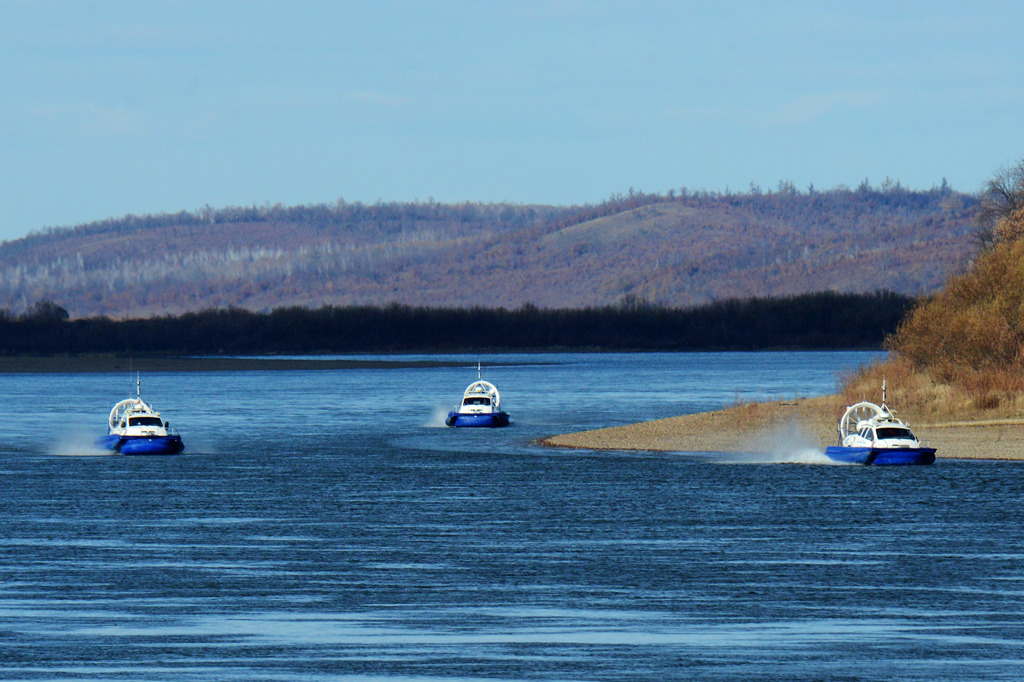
322 525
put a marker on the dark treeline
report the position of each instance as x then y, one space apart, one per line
825 320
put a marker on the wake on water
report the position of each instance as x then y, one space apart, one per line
437 417
799 455
787 444
79 444
82 443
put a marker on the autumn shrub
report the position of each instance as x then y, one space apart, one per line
976 324
960 353
1011 227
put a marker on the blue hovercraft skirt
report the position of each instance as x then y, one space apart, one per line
142 445
484 420
880 456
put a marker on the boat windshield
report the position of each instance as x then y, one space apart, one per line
476 401
145 421
892 433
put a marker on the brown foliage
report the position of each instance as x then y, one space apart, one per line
1011 227
976 324
960 353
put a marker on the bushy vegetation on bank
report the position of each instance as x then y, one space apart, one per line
960 353
812 321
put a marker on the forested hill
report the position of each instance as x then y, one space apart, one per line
676 250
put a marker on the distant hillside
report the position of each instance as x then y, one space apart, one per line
676 250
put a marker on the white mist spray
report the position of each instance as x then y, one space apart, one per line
785 443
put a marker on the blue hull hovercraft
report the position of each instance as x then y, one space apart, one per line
135 428
480 406
871 434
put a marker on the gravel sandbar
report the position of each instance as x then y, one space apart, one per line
773 427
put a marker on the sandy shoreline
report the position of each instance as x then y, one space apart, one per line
777 427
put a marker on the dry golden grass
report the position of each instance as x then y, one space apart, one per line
918 395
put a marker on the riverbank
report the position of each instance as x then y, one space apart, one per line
75 364
792 425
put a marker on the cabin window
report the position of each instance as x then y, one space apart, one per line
145 421
476 401
890 433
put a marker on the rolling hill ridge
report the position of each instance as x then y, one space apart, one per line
678 250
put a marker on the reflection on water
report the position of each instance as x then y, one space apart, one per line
317 528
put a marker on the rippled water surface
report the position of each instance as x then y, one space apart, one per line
320 526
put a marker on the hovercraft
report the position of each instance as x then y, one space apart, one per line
135 428
480 406
871 434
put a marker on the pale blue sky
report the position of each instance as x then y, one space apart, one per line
143 106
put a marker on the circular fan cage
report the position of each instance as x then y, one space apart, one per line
860 416
121 410
485 388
